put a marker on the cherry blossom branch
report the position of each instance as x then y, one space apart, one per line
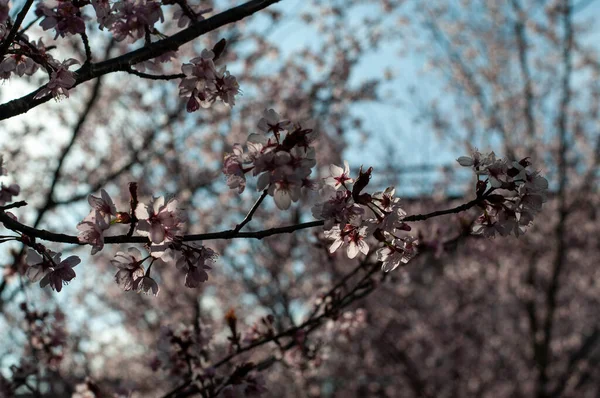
458 209
228 234
154 77
86 46
255 207
123 62
15 29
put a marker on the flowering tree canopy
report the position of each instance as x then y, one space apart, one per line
208 159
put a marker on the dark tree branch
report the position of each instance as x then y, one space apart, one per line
561 244
228 234
15 29
154 77
86 47
248 217
124 62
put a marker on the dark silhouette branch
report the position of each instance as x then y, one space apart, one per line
228 234
561 244
15 28
124 62
132 71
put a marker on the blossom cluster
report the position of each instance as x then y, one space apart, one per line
61 79
281 156
518 193
18 64
124 19
47 267
352 216
64 16
161 221
25 58
204 83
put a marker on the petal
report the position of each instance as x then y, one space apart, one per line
363 247
335 245
45 280
157 233
141 212
352 250
335 170
158 204
124 280
346 168
263 181
282 199
33 257
34 274
66 274
71 261
134 252
465 161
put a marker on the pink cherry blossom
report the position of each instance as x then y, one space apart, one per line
339 177
62 15
18 64
337 207
61 80
271 122
130 268
234 170
146 284
159 221
40 265
351 236
225 87
193 261
399 251
60 274
129 19
92 230
103 205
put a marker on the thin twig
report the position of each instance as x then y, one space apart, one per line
154 77
86 46
255 207
13 205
